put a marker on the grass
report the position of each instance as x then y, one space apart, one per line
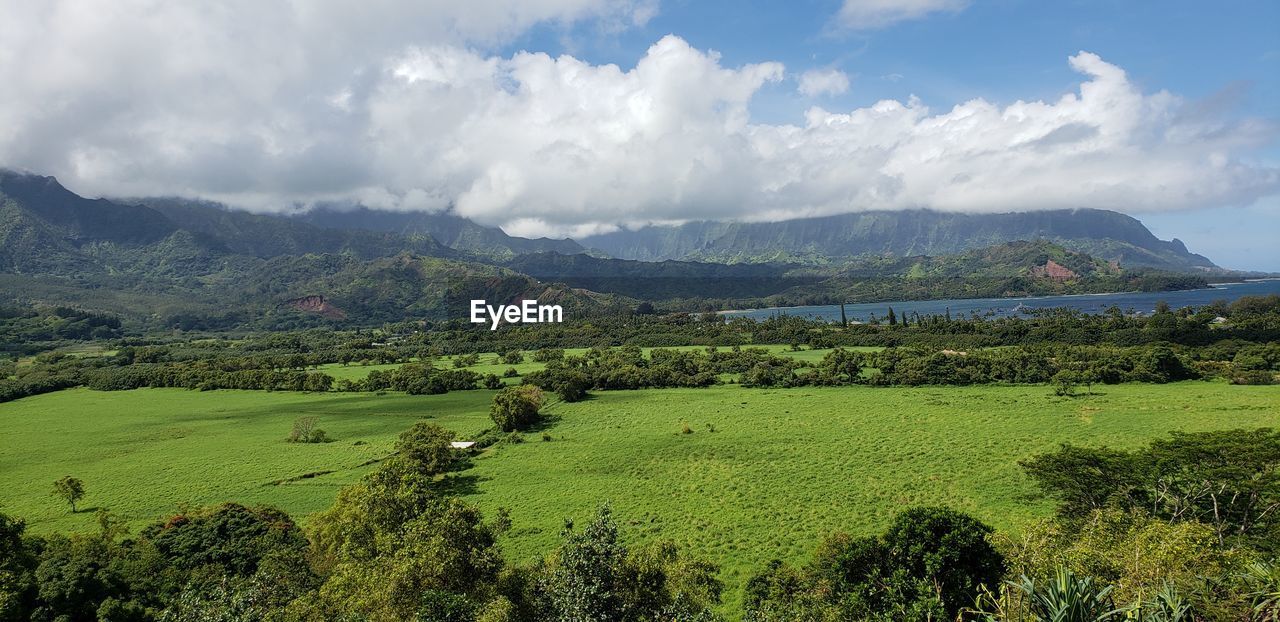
784 467
145 453
781 468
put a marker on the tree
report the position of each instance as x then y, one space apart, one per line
571 385
427 448
929 565
1064 383
17 570
1082 479
593 577
231 537
69 489
516 407
840 367
1229 480
583 582
303 429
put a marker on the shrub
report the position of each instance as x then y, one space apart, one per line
303 429
1253 378
930 564
426 447
516 407
1064 384
511 372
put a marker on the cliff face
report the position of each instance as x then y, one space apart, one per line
1101 233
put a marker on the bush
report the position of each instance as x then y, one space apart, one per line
930 564
1254 378
427 448
511 372
303 430
546 355
516 407
1064 384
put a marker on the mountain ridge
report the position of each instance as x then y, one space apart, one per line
446 227
1106 234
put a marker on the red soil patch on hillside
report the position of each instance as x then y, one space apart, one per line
317 305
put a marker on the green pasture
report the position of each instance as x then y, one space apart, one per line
781 468
145 453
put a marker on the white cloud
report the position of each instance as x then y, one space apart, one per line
870 14
819 82
401 113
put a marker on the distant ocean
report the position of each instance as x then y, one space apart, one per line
1139 302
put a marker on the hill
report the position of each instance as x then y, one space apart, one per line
197 265
1105 234
449 229
1015 268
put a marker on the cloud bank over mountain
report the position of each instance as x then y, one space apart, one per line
399 107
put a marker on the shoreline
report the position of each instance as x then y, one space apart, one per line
1013 298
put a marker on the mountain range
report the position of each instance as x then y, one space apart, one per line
186 263
1101 233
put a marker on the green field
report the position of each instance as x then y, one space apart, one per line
781 468
144 453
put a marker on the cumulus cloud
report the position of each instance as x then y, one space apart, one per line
414 115
871 14
819 82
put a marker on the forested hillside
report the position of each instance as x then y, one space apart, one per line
449 229
179 263
1105 234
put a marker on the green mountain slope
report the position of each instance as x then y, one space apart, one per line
243 233
191 264
1104 234
168 263
1015 268
449 229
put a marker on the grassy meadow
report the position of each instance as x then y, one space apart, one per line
144 453
762 475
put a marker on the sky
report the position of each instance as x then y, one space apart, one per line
569 117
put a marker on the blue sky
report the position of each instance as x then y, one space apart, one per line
1223 55
1001 50
574 117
